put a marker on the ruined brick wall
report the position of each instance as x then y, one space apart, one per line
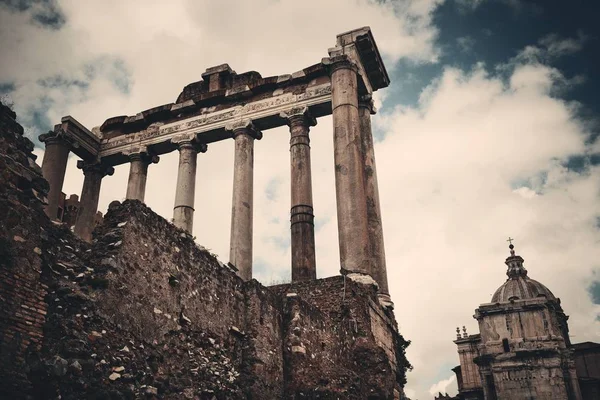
22 225
143 311
338 342
190 325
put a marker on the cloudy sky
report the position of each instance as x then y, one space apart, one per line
488 129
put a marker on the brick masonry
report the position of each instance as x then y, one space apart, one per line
22 227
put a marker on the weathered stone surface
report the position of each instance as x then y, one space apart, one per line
355 250
183 211
144 311
301 213
240 253
23 225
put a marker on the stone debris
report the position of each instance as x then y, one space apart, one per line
298 349
114 376
363 279
151 390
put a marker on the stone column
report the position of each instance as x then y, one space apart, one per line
355 247
302 217
54 167
379 272
183 211
90 194
240 250
138 173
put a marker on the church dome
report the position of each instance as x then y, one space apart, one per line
519 286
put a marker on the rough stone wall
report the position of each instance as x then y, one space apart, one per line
22 225
542 379
336 345
523 348
143 311
467 352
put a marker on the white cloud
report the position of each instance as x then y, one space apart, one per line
465 43
443 386
447 169
451 169
165 45
551 47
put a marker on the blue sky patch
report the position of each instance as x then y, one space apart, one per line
45 13
594 291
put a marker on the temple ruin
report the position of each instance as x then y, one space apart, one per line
133 307
226 105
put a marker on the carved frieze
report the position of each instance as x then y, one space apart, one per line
219 119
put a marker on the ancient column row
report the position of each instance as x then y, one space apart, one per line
358 209
54 167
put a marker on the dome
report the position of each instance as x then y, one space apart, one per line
519 286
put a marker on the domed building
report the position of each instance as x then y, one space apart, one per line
523 350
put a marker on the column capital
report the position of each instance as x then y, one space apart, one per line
298 116
141 153
366 101
341 61
244 126
189 141
58 136
95 167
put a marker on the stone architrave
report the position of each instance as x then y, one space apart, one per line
240 251
355 247
139 158
379 272
183 210
301 213
54 167
90 194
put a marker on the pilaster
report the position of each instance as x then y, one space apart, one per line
301 213
355 247
244 133
183 210
139 160
90 194
375 229
54 167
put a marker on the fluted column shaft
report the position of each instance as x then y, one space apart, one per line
90 194
183 211
240 252
138 174
355 255
54 167
302 217
379 271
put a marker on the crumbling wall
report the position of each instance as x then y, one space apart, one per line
22 227
338 342
146 310
143 311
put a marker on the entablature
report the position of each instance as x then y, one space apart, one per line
223 97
